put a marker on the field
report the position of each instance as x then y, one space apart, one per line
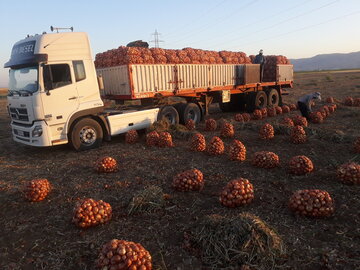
42 236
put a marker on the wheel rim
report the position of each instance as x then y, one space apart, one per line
87 135
170 118
273 99
261 102
192 115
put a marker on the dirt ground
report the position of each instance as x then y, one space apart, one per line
42 236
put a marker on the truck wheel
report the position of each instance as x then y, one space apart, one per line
189 111
261 100
170 114
257 100
86 134
273 98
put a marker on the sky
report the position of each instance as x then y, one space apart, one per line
296 29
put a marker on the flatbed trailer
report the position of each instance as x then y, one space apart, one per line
223 83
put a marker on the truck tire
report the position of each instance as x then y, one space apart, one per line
273 98
189 111
257 100
169 113
86 134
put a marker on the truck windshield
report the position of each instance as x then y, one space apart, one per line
24 79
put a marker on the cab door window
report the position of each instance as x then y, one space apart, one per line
56 76
79 70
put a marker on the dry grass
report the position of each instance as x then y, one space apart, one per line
149 200
177 131
231 242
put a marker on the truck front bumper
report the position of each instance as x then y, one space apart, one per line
35 135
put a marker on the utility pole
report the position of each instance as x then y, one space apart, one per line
156 40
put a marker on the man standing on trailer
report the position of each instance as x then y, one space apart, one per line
304 103
260 59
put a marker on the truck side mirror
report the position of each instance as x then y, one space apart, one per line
47 79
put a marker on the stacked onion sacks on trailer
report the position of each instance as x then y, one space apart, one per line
270 67
312 203
90 213
136 55
121 254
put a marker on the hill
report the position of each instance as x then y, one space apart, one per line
328 61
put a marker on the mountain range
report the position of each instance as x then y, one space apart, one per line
328 62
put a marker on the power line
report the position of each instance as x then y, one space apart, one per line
276 24
255 22
200 16
306 27
207 26
156 40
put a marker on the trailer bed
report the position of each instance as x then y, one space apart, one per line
146 81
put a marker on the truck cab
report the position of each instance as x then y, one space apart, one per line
52 84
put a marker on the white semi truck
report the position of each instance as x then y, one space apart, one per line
54 95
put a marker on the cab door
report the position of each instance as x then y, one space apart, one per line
60 98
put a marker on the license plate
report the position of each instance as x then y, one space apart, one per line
20 133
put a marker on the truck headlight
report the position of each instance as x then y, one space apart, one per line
37 132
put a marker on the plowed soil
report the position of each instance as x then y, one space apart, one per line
42 236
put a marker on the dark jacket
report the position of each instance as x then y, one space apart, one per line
260 59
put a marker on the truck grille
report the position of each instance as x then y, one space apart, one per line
19 114
21 133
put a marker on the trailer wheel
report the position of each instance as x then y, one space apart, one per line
273 98
261 100
86 134
170 114
257 100
189 111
